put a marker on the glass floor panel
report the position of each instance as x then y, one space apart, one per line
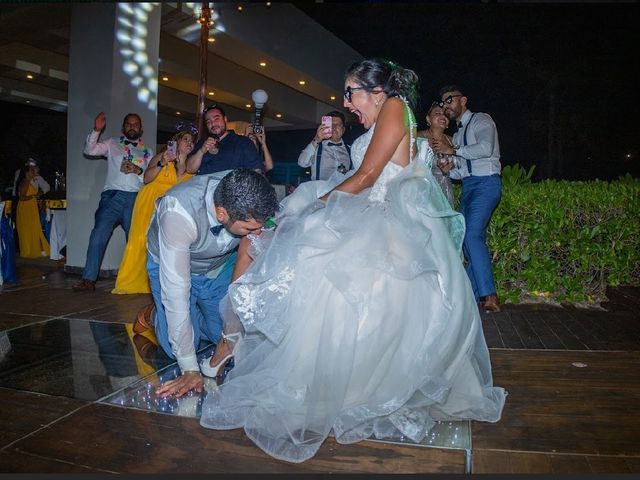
109 363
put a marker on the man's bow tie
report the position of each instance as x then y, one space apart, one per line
127 142
331 144
216 230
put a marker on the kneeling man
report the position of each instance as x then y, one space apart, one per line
191 244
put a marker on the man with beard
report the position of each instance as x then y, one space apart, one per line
476 145
127 157
222 149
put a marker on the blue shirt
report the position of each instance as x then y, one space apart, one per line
234 151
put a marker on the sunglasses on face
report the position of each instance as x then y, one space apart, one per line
348 92
448 100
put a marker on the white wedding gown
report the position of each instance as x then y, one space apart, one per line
359 319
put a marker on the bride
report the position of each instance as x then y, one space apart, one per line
356 317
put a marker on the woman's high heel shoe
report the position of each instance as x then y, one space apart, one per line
205 364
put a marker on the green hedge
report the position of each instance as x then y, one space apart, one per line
564 241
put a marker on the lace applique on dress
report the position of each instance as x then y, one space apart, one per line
250 300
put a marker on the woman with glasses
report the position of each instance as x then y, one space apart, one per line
356 316
437 123
165 170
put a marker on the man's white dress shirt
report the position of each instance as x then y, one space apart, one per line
482 148
115 150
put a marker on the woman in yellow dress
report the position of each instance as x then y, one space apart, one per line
32 241
164 171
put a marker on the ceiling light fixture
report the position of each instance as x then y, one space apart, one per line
263 64
165 79
29 76
278 115
302 82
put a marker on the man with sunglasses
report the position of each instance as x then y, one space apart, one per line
327 153
476 145
222 149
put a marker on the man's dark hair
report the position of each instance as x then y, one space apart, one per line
124 120
451 88
214 106
337 114
245 194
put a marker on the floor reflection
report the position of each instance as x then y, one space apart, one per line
85 360
108 362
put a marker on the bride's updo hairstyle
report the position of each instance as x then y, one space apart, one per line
394 80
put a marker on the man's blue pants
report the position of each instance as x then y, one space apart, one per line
115 208
480 196
204 302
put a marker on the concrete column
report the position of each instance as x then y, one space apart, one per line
113 67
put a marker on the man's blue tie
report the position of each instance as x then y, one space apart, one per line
216 230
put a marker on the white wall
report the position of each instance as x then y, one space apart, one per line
98 82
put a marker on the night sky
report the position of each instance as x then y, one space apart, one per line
560 80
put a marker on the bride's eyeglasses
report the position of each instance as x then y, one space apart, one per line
448 100
348 92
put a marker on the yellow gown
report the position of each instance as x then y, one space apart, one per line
132 274
33 243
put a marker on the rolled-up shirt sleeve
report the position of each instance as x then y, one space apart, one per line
176 233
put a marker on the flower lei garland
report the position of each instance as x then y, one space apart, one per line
137 160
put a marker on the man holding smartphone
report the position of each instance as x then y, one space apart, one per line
327 153
127 158
222 149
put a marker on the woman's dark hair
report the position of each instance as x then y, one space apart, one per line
393 79
245 194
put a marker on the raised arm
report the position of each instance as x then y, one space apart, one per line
92 146
268 159
390 142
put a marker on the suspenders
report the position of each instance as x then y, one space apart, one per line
319 156
465 141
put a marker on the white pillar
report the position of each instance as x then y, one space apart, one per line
113 67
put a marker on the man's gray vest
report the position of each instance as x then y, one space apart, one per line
208 252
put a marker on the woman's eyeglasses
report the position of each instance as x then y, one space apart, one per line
348 92
448 100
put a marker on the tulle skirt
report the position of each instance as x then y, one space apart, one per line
359 320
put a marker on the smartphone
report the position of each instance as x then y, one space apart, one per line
171 147
327 124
